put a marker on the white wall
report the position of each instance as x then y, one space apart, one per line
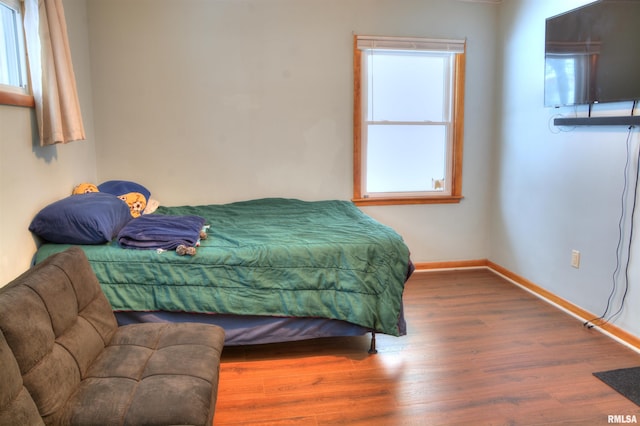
558 188
217 101
32 176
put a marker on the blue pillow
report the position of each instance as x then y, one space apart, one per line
92 218
122 187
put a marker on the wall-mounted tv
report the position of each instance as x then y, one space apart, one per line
592 54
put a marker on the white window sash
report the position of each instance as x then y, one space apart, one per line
16 66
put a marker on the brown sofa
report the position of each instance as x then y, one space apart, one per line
64 360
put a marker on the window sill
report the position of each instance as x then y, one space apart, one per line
382 201
17 99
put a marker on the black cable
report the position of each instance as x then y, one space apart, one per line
633 213
589 323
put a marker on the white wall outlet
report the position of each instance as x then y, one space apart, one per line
575 258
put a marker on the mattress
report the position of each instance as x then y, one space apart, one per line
268 257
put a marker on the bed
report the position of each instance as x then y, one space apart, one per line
269 270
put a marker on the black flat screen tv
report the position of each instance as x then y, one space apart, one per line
592 54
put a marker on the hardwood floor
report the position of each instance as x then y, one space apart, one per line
479 351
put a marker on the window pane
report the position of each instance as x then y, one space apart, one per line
406 86
11 68
405 158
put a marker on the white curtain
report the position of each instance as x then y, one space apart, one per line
52 78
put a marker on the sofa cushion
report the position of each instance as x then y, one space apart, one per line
69 323
154 373
16 405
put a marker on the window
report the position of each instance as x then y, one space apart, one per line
13 71
408 120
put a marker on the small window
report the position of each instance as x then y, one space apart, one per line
408 103
13 70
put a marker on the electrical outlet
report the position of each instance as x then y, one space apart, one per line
575 258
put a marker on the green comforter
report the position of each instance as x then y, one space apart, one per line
275 257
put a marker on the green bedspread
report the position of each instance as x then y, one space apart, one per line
276 257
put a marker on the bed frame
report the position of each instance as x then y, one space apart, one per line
243 330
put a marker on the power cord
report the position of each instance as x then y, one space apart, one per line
590 323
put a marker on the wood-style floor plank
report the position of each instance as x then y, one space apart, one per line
479 351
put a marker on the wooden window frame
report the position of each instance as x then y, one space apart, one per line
16 99
457 140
